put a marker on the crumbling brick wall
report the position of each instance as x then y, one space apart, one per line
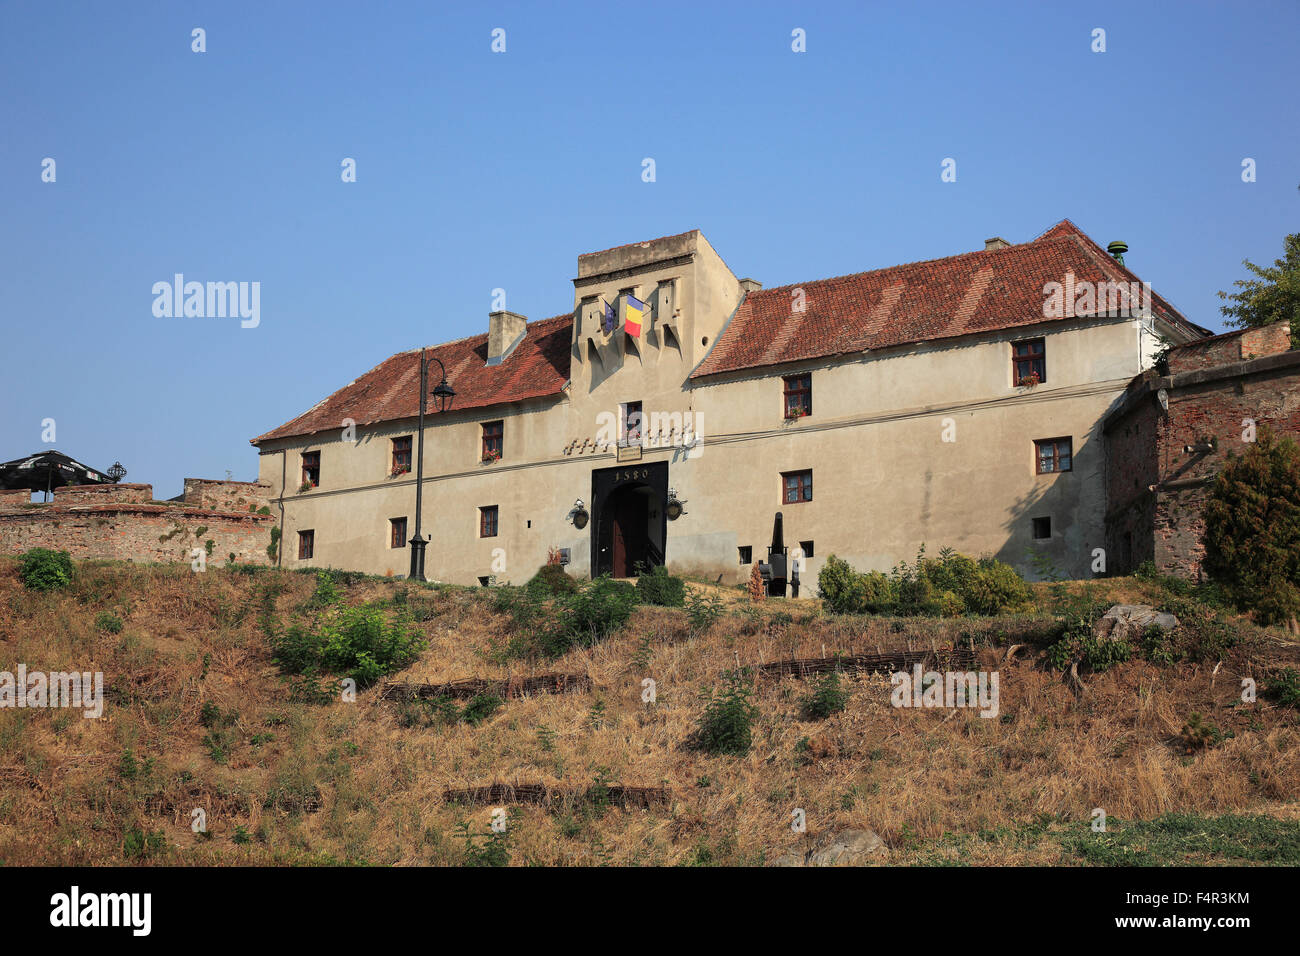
1130 472
1211 412
122 522
227 495
103 494
1240 346
146 533
14 498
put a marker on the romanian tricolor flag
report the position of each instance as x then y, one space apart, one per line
633 310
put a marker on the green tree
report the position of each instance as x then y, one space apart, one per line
1252 528
1273 295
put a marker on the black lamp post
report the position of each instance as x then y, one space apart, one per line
444 394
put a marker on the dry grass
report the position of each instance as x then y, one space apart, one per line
347 782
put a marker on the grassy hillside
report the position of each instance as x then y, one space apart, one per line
200 716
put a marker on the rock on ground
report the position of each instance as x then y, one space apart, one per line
1127 622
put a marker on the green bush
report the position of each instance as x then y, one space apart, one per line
659 587
1284 687
589 615
728 721
480 708
44 570
1252 528
549 581
1077 644
702 610
828 697
327 591
995 588
358 642
947 586
139 844
842 589
108 622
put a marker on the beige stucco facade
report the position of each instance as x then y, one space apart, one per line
928 443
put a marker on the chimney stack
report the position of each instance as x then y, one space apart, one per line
505 331
997 242
750 285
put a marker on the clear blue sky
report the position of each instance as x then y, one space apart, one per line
479 170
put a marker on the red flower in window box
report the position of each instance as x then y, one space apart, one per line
492 455
1029 381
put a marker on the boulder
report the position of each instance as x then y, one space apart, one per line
1128 622
847 848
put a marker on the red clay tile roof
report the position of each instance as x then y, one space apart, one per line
538 366
979 291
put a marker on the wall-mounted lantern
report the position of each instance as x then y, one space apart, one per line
673 508
578 515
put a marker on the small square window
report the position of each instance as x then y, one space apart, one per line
306 544
1042 528
402 455
631 424
796 486
746 554
807 548
311 468
487 522
397 535
798 396
493 440
1029 362
1052 455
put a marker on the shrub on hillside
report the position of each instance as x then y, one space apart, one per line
549 581
947 586
589 615
358 642
728 721
659 587
995 588
1252 528
44 570
827 697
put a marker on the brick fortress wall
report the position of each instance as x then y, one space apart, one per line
123 522
1172 434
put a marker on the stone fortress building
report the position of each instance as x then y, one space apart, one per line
956 402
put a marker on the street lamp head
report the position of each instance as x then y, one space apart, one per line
444 393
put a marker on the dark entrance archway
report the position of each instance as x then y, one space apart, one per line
630 528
